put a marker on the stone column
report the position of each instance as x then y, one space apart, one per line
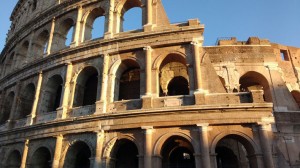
199 92
265 141
24 156
36 100
204 145
77 28
14 106
58 151
197 67
51 34
148 146
147 98
99 147
109 21
101 105
62 111
149 24
148 67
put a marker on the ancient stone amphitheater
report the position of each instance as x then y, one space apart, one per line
152 97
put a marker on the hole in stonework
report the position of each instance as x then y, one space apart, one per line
132 19
284 55
98 27
69 37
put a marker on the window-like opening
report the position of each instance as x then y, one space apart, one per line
41 158
86 87
26 101
64 35
128 81
95 24
178 86
255 81
78 156
34 5
223 82
7 108
40 46
126 154
284 55
177 152
69 37
52 94
14 159
233 151
131 16
174 76
132 19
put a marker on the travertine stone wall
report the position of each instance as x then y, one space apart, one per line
106 102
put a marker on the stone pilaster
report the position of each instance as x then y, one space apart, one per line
58 151
110 20
265 141
76 38
51 34
204 145
149 24
36 100
101 105
99 146
148 146
62 111
24 156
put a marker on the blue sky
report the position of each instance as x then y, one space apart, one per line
276 20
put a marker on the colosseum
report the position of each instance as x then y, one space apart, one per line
154 97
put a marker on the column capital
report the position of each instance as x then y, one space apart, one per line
264 126
196 43
147 129
147 48
203 126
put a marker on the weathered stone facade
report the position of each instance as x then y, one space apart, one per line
153 97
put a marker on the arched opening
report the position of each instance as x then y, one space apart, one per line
14 160
132 19
233 151
7 107
296 95
176 83
40 46
41 158
177 152
78 156
128 81
86 87
126 154
22 54
63 36
173 74
34 5
131 16
69 37
52 94
253 80
95 24
26 101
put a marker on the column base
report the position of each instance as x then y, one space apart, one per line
147 102
108 35
199 97
100 107
148 27
61 113
30 120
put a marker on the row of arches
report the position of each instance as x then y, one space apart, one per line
231 151
174 79
93 25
